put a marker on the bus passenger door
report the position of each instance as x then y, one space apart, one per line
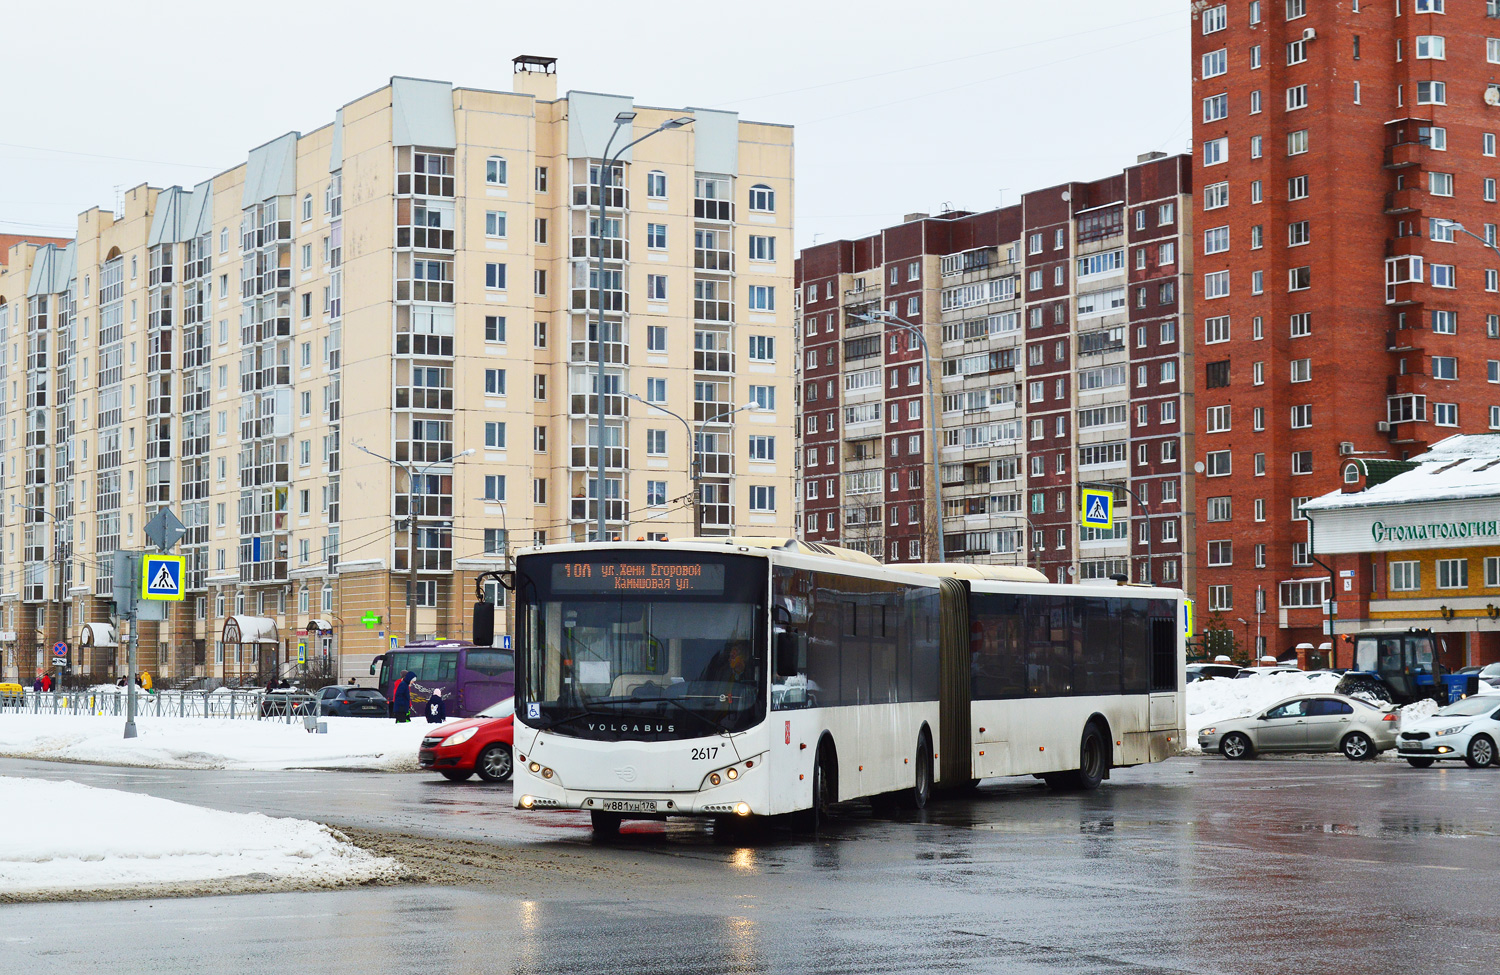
1164 666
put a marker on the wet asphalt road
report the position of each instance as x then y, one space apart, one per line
1199 865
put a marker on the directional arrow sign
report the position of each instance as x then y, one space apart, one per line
165 529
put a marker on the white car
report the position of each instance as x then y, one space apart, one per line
1467 729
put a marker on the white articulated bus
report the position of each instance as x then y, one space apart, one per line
759 677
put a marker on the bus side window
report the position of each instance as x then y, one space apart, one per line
1135 648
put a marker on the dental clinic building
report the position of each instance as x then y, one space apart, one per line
1415 543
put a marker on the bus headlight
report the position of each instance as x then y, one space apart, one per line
713 777
526 802
742 809
732 774
535 767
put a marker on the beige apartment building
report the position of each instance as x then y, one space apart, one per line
375 343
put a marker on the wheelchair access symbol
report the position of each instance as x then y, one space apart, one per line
1098 509
161 577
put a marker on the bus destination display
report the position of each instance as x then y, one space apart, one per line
605 577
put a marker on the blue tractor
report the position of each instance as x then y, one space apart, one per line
1402 666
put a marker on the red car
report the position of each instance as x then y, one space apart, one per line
480 744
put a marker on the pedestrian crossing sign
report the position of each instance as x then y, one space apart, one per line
161 577
1098 509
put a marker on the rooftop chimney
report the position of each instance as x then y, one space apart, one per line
910 217
535 75
1146 157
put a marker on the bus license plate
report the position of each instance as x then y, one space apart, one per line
629 805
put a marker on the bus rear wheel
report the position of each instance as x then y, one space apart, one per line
1093 764
916 797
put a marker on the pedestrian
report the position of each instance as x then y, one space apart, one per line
437 708
46 682
401 699
36 685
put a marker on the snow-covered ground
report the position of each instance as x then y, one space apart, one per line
1212 701
350 743
153 845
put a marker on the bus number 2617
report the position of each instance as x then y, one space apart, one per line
704 754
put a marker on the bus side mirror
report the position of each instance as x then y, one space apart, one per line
484 624
786 654
376 663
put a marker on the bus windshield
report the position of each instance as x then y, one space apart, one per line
643 645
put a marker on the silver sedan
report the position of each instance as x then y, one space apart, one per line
1306 723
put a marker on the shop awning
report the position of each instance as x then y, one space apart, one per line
319 626
99 635
250 629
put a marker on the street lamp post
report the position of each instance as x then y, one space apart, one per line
413 521
1145 510
1455 225
606 170
696 462
890 318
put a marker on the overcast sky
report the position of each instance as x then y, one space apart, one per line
898 107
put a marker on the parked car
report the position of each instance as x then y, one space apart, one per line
351 702
1277 669
1490 674
482 744
1467 729
1200 671
1307 723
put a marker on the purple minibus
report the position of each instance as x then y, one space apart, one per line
472 677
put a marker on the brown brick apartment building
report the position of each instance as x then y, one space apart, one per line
1054 326
1338 313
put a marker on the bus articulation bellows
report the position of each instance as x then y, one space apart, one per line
760 677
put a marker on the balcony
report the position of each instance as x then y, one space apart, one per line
1403 201
586 299
711 412
587 404
615 248
587 194
717 210
587 509
708 310
583 352
423 398
587 458
1403 154
424 238
720 362
720 261
440 291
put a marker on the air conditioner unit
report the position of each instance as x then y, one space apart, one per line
1309 34
1384 426
1346 448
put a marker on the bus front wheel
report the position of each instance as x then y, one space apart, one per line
606 825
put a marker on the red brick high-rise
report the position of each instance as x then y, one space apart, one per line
1337 314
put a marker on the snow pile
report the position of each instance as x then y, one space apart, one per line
1417 710
152 843
351 743
1219 699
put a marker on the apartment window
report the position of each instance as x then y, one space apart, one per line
494 277
494 382
495 171
494 328
656 338
762 297
494 435
1216 107
1489 137
539 439
764 397
1215 151
762 248
1489 189
1257 282
1216 330
1445 414
1440 184
656 287
1221 553
762 198
1255 152
1220 598
656 443
1216 240
656 493
1301 370
1298 233
656 389
1218 419
1296 142
1215 63
1215 195
656 185
1296 97
656 236
1432 93
1295 9
1296 188
763 448
1301 416
1434 137
1260 509
1453 573
1302 462
1443 275
1254 56
494 487
1444 367
1218 463
1215 18
762 497
1260 465
1299 278
540 179
1492 572
1301 325
1216 284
